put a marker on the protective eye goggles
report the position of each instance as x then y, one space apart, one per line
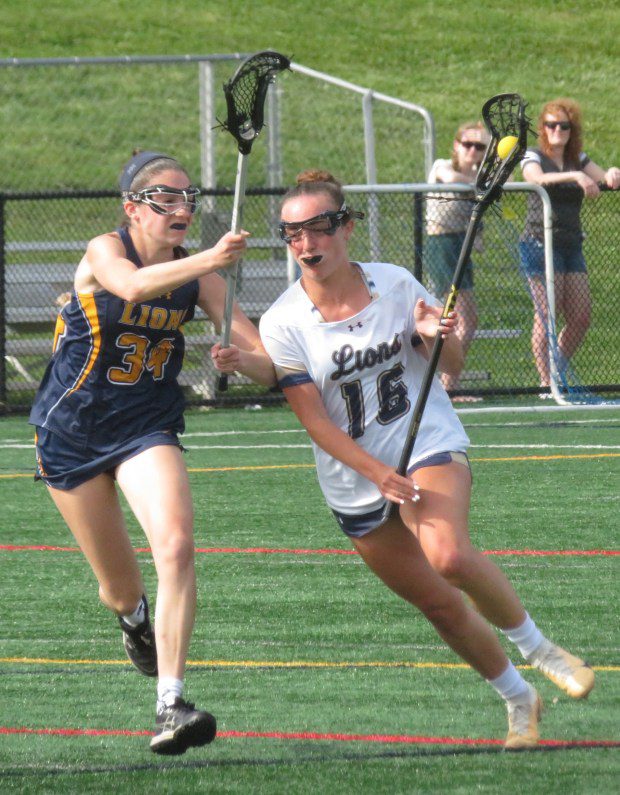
323 224
167 201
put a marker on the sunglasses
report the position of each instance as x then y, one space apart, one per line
563 125
164 200
324 224
473 145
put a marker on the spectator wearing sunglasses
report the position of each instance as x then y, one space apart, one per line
109 412
447 218
568 175
350 343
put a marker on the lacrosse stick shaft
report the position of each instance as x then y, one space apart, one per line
503 114
231 273
431 367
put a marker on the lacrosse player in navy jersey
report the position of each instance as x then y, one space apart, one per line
109 410
350 343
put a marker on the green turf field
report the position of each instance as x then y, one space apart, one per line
322 681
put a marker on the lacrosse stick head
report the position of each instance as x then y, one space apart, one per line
245 94
503 115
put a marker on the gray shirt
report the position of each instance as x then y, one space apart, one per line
566 200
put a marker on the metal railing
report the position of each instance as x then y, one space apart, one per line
42 237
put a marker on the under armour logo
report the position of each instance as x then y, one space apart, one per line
357 325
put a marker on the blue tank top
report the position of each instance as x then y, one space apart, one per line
114 367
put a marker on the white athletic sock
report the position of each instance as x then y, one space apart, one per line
139 614
510 685
527 636
168 689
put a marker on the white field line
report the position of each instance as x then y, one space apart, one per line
19 444
308 446
471 446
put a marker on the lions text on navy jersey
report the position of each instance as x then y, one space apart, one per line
113 373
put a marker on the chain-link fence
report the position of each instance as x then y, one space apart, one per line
417 227
63 113
42 238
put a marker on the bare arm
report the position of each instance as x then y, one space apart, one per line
427 319
532 172
611 177
446 173
306 402
106 266
246 353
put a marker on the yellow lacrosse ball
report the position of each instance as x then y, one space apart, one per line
506 145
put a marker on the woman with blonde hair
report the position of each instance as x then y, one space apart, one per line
447 218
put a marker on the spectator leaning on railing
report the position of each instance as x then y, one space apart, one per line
447 217
558 163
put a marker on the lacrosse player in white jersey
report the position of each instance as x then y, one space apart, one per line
350 342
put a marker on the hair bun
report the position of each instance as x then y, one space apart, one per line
314 175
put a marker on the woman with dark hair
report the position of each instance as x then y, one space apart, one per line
560 165
350 343
109 411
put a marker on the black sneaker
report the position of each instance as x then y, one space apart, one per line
139 643
180 727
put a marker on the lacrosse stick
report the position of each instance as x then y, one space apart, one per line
505 119
245 94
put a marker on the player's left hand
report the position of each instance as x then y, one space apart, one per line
428 320
226 360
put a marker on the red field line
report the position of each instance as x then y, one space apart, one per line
284 551
329 736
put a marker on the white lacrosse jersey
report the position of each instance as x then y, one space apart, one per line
368 370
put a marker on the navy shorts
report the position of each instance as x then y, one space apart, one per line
566 259
63 466
362 524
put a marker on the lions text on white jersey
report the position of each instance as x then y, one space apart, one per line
368 370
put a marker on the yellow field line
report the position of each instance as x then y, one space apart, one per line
263 466
311 466
271 664
485 460
548 457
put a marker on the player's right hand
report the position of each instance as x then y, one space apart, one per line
397 488
226 360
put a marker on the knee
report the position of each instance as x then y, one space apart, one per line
582 318
453 564
175 552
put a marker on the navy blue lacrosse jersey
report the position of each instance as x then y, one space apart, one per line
114 367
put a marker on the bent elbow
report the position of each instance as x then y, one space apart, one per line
131 295
136 293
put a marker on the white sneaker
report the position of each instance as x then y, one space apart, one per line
568 672
523 717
